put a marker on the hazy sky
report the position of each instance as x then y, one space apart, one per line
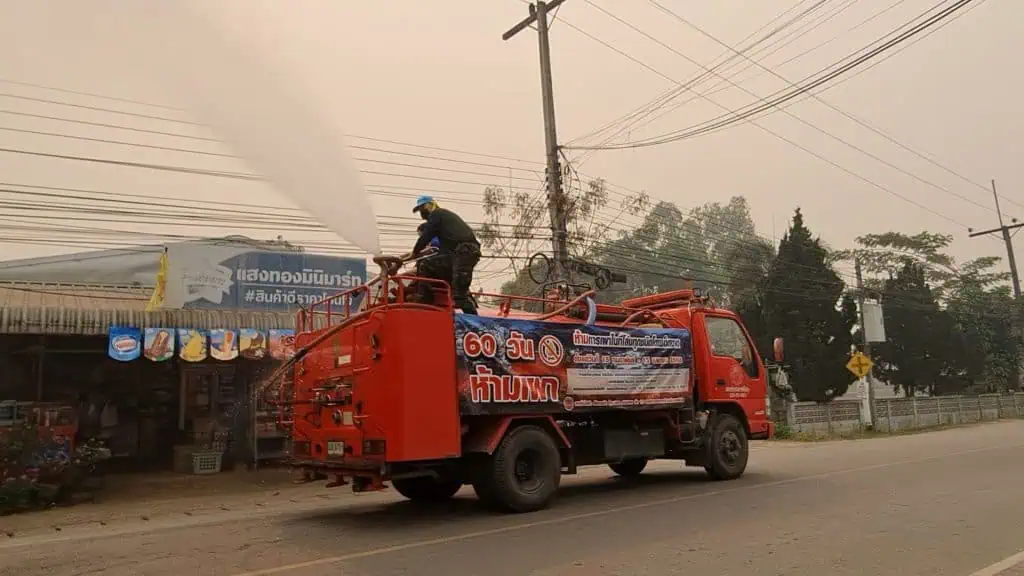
438 74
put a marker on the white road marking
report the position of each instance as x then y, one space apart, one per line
1001 566
608 511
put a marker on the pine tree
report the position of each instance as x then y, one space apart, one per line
805 304
922 343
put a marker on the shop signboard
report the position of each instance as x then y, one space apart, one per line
230 276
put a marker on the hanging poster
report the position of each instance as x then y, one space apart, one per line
223 344
193 345
124 344
159 344
282 344
252 344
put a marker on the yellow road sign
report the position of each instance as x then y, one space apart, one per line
859 364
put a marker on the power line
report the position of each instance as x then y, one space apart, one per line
421 146
142 211
386 193
722 86
816 155
807 84
236 157
663 99
89 94
97 109
822 101
230 174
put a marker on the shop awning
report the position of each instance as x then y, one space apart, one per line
59 309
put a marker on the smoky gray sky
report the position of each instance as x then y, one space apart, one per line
438 74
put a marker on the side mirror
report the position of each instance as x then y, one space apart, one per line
777 349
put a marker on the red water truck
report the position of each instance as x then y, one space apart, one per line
388 390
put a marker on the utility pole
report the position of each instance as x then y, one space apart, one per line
865 344
556 196
1005 230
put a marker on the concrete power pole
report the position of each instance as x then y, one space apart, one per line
556 196
1005 231
865 344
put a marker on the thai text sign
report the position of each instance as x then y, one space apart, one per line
515 366
231 276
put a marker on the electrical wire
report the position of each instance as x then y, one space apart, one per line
738 53
763 52
441 149
644 111
809 83
857 175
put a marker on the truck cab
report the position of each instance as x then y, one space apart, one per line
729 375
425 400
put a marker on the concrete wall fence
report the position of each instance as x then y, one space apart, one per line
842 417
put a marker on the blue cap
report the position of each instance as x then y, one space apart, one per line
436 242
421 202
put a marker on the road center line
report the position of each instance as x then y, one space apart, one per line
608 511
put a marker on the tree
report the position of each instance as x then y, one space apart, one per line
804 302
714 248
985 316
970 302
919 354
516 225
651 255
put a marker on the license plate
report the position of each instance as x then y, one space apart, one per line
335 448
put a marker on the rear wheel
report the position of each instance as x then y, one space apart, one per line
728 448
426 488
629 468
524 472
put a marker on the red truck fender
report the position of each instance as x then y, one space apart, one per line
485 435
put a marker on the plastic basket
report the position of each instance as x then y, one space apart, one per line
206 462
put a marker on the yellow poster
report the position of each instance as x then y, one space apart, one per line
193 345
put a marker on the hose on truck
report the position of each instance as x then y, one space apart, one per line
591 307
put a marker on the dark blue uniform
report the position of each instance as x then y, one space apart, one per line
459 253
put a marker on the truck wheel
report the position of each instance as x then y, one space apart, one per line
525 471
629 468
727 448
426 488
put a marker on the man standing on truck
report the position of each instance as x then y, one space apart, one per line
459 252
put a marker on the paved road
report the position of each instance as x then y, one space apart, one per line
948 502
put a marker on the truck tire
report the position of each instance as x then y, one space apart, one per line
426 489
629 468
524 472
728 448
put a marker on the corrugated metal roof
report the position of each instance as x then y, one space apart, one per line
90 309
